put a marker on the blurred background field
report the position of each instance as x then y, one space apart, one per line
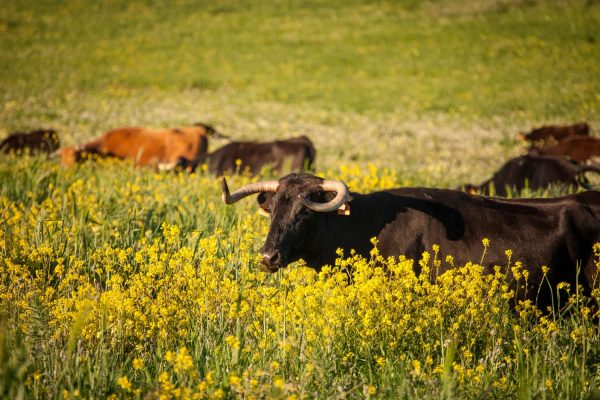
436 90
121 281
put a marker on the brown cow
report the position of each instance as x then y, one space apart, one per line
556 132
253 156
39 140
160 147
535 172
577 148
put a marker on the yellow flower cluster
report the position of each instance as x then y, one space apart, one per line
145 285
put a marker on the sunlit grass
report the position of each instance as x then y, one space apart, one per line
523 59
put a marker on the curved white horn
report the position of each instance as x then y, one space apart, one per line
258 187
340 198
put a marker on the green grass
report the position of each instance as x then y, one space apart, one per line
503 58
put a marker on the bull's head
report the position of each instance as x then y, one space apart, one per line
295 204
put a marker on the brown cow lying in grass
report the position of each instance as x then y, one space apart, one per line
535 172
234 157
556 132
159 147
577 148
39 140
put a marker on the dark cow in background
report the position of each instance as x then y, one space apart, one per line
306 224
534 172
556 132
235 157
159 147
37 141
577 148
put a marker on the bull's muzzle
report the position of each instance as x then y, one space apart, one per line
271 261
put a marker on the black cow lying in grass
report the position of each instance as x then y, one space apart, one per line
534 172
235 157
37 141
306 224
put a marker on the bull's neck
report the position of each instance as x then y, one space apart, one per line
368 216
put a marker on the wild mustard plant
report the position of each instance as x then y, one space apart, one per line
132 284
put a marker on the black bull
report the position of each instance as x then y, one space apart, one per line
558 233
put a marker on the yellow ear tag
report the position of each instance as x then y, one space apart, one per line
263 212
344 209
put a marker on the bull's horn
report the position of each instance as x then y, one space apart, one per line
340 198
258 187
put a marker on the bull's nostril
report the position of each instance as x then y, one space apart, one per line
271 258
275 258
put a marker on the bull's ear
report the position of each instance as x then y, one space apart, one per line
344 209
264 201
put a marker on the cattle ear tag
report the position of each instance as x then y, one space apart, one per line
262 212
344 209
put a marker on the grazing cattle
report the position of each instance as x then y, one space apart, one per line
253 156
556 132
534 172
161 147
577 148
39 140
306 223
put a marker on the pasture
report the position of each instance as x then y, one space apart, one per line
123 282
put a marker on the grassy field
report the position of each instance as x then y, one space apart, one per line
122 282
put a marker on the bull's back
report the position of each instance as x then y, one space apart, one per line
558 233
459 222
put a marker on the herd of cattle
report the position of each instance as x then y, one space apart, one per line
311 218
184 148
557 155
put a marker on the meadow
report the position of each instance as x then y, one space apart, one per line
122 282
